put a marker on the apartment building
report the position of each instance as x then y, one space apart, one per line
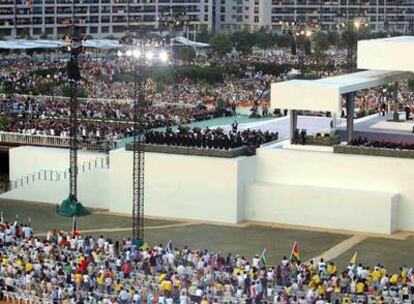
98 18
381 15
106 18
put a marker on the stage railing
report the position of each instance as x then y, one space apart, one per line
55 141
56 176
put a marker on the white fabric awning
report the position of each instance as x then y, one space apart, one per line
25 44
326 94
185 41
104 44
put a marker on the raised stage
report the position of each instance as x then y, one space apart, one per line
296 185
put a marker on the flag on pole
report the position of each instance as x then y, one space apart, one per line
75 231
16 220
353 258
145 247
168 247
294 256
263 258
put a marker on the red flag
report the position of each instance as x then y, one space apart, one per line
75 231
294 256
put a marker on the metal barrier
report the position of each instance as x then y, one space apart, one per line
56 176
52 141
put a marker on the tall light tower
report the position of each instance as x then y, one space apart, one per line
349 25
71 206
144 55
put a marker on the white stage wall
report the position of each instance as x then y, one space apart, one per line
373 194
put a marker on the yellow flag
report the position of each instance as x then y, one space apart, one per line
353 258
145 247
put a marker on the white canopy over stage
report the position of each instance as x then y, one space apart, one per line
184 41
326 94
26 44
393 54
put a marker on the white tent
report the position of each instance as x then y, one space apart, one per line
25 44
187 42
105 44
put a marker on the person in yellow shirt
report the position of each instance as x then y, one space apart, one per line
28 267
311 267
118 286
403 275
19 262
177 284
394 279
376 275
321 290
100 280
383 271
78 280
166 286
5 260
360 286
204 301
346 299
314 282
162 277
331 268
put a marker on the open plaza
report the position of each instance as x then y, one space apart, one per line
247 167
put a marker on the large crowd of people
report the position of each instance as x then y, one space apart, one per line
69 268
210 138
107 110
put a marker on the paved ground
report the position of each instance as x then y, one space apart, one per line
365 129
44 217
391 253
243 240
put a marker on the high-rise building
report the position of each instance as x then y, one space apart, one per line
98 18
105 18
381 15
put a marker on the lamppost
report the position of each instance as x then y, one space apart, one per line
143 56
300 35
349 28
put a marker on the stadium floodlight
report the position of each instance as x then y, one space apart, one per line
163 56
149 55
136 53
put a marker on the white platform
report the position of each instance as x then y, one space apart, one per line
335 208
394 126
393 54
298 187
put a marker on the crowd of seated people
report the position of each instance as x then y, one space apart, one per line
66 268
382 144
210 138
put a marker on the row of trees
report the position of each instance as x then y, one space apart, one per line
244 41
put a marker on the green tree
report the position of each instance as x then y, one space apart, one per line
263 39
243 41
220 44
321 43
282 41
186 54
203 35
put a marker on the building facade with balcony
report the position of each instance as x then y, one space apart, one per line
97 18
111 18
